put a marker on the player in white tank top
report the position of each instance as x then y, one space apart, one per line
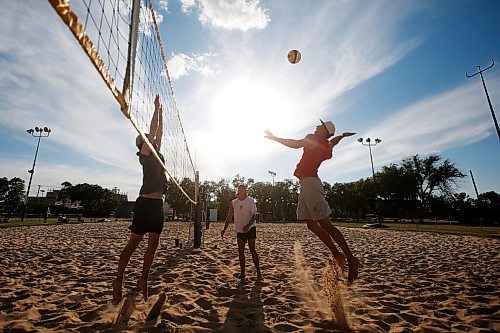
243 209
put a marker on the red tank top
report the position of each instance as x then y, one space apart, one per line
312 158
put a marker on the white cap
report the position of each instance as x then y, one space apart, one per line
330 127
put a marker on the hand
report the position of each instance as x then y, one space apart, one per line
345 134
246 228
269 135
222 233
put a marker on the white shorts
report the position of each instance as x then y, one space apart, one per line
312 203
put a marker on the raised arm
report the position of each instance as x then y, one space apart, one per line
292 143
153 127
336 140
159 132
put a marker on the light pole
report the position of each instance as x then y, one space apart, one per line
273 174
368 142
39 133
480 72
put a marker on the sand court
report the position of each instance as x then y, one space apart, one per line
58 278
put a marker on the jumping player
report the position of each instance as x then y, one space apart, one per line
312 205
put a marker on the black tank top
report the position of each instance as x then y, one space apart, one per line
153 179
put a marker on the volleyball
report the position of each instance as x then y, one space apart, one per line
294 56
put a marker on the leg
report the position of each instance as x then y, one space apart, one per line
241 256
149 255
255 257
132 244
340 240
323 235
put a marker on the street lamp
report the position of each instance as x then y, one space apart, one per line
368 142
273 174
39 133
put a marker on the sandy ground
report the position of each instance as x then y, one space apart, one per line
58 278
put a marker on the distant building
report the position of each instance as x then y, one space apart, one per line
168 213
49 199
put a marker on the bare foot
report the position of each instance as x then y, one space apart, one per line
117 291
353 270
142 284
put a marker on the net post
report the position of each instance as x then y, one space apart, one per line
197 214
132 49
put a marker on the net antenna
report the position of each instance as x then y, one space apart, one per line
123 42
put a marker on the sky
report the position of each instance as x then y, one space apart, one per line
393 70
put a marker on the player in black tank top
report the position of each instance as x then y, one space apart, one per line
148 210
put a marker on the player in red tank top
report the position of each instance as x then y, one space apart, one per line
312 205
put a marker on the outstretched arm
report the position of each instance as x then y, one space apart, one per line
153 127
286 142
336 140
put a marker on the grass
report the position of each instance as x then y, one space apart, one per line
454 229
39 221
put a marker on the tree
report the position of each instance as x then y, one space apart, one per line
398 190
11 193
262 193
351 200
461 207
95 200
489 206
64 194
432 175
223 196
238 180
178 202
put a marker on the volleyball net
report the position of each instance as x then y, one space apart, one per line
122 40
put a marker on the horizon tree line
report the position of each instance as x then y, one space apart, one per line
415 188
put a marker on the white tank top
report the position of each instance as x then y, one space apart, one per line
243 212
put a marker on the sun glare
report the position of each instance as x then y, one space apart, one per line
246 107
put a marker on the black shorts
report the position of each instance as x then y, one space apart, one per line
250 234
148 216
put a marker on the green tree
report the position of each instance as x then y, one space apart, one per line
398 190
223 196
432 175
179 203
351 200
4 188
95 200
262 193
489 206
11 194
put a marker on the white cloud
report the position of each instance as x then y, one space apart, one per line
231 15
47 80
181 64
146 23
342 45
163 4
187 5
451 119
